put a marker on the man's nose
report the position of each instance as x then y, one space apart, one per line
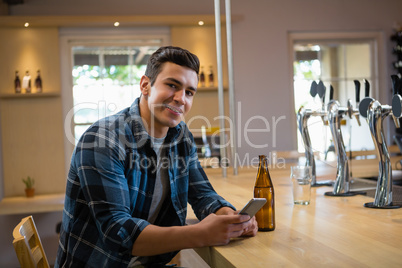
180 96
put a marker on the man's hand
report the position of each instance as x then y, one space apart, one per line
217 230
250 230
214 230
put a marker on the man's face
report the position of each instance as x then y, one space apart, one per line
170 98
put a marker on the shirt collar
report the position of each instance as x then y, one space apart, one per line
138 128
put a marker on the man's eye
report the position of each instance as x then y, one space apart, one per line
189 93
172 85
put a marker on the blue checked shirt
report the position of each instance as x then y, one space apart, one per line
110 188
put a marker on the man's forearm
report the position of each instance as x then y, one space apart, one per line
211 231
155 240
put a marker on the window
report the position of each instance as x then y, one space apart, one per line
105 81
337 62
100 68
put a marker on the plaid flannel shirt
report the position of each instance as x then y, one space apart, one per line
110 187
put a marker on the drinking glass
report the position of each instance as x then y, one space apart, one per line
301 184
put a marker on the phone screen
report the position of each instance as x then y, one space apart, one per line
253 206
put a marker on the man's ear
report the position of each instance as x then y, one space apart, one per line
145 85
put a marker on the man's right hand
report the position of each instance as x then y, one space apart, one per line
219 229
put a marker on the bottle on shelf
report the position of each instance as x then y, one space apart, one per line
202 77
26 82
210 77
264 189
17 83
38 83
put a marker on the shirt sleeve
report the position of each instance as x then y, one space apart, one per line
202 196
100 161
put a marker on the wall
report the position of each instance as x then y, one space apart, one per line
202 41
260 44
266 26
32 129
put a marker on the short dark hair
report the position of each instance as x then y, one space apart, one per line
177 55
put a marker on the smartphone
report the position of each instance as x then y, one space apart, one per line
253 206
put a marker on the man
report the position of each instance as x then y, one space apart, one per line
133 173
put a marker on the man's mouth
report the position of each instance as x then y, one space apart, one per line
174 109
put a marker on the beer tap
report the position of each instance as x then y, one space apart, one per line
335 116
376 113
351 111
302 117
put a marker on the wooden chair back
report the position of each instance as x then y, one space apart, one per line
28 245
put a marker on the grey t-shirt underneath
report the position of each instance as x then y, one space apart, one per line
160 191
162 182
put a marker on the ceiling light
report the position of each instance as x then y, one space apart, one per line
116 24
26 24
201 23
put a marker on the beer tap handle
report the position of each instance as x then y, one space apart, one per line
324 91
350 107
331 98
367 88
357 91
364 104
320 89
313 89
395 84
396 100
321 94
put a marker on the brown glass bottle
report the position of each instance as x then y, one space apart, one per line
210 77
38 83
264 189
202 77
17 83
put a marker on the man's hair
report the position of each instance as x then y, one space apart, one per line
172 54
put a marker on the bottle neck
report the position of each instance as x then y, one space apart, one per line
262 166
263 177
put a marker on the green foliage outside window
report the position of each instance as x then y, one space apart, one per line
120 74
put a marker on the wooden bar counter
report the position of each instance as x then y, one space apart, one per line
330 232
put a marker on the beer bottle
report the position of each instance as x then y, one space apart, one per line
264 189
26 82
38 83
17 83
210 77
202 77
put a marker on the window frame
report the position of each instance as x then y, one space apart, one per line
70 37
